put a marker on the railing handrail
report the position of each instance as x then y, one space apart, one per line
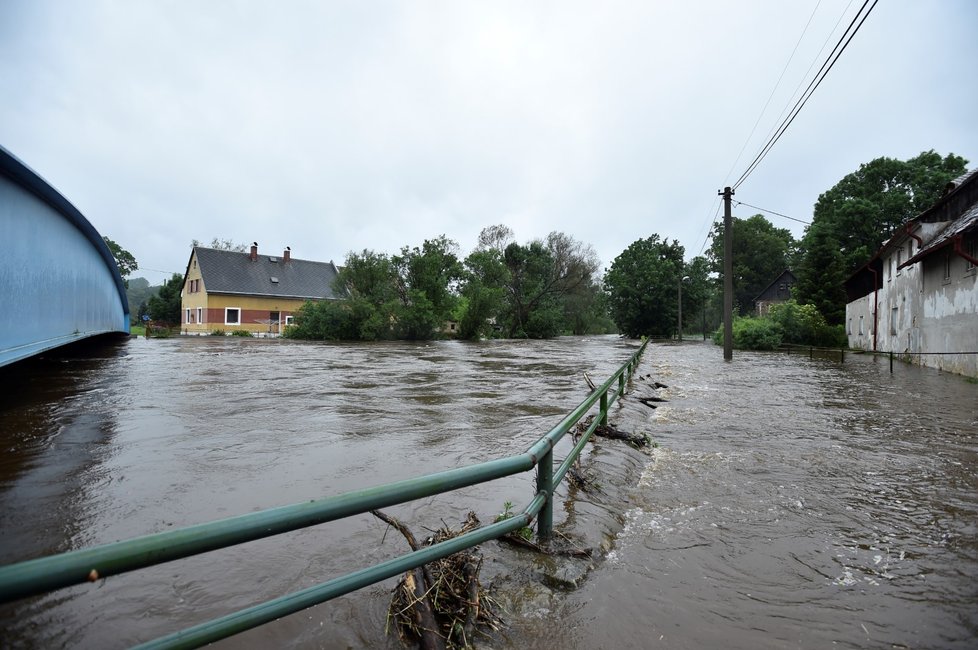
45 574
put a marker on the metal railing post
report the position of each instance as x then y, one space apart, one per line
621 384
603 413
891 361
545 483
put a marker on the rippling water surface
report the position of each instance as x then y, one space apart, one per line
796 503
789 503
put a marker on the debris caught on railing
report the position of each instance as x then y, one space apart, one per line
636 440
441 604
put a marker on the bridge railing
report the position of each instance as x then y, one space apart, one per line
91 564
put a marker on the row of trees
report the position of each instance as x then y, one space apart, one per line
850 223
543 288
503 288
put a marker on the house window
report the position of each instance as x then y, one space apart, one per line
232 316
899 260
200 314
186 318
288 320
893 320
947 267
849 327
889 269
861 331
971 248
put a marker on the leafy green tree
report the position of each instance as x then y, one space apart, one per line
123 259
642 286
822 273
860 212
760 253
483 289
371 281
540 276
164 307
698 290
428 278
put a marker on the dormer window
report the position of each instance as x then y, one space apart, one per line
273 260
274 280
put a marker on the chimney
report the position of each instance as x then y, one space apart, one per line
287 255
254 251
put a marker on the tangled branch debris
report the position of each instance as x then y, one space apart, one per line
608 431
441 604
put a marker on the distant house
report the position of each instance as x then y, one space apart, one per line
230 290
919 294
777 291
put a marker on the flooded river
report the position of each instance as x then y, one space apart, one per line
789 502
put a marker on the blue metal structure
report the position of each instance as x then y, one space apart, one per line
59 282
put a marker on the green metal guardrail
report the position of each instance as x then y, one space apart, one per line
76 567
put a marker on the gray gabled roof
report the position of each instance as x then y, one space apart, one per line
966 222
231 272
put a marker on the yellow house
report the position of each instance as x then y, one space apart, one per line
229 290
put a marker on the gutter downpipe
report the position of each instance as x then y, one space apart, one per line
876 277
958 239
909 229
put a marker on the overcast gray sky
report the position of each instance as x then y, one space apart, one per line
339 126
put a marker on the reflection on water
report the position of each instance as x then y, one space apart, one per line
790 502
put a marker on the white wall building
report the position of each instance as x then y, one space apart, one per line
918 296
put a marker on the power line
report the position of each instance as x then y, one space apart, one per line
807 223
827 66
815 59
710 231
774 90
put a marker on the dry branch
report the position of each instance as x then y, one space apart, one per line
448 588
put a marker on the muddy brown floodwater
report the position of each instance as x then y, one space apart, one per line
789 503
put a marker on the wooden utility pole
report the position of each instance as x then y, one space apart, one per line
727 275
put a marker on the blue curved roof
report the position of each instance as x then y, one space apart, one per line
60 282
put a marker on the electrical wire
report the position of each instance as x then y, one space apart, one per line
827 66
815 59
807 223
709 232
774 90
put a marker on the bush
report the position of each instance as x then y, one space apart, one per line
798 323
831 336
217 332
752 334
241 333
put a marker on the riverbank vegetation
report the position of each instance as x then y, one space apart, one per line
786 323
539 289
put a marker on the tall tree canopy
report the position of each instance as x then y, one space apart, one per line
857 215
642 286
165 305
540 277
534 290
760 253
427 287
123 259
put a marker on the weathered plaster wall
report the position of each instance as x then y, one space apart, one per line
859 323
949 321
